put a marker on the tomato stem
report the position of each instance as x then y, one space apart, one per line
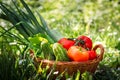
73 39
81 42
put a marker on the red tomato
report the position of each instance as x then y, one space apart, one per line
77 53
84 42
92 54
66 43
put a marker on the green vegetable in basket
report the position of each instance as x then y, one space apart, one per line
59 52
47 50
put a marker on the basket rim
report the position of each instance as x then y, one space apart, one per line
66 62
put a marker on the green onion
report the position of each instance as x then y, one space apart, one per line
26 22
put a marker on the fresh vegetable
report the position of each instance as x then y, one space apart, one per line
66 43
92 54
84 42
59 52
47 50
77 53
25 22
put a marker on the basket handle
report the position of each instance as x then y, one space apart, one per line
101 50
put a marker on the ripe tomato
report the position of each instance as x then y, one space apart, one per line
66 43
84 42
77 53
92 54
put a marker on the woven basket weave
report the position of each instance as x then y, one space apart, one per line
72 67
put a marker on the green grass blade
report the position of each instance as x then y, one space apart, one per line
27 20
43 22
33 18
22 41
8 13
14 19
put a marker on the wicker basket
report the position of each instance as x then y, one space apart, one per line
72 67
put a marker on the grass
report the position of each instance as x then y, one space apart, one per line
97 19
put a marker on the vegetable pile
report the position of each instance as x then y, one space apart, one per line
68 49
